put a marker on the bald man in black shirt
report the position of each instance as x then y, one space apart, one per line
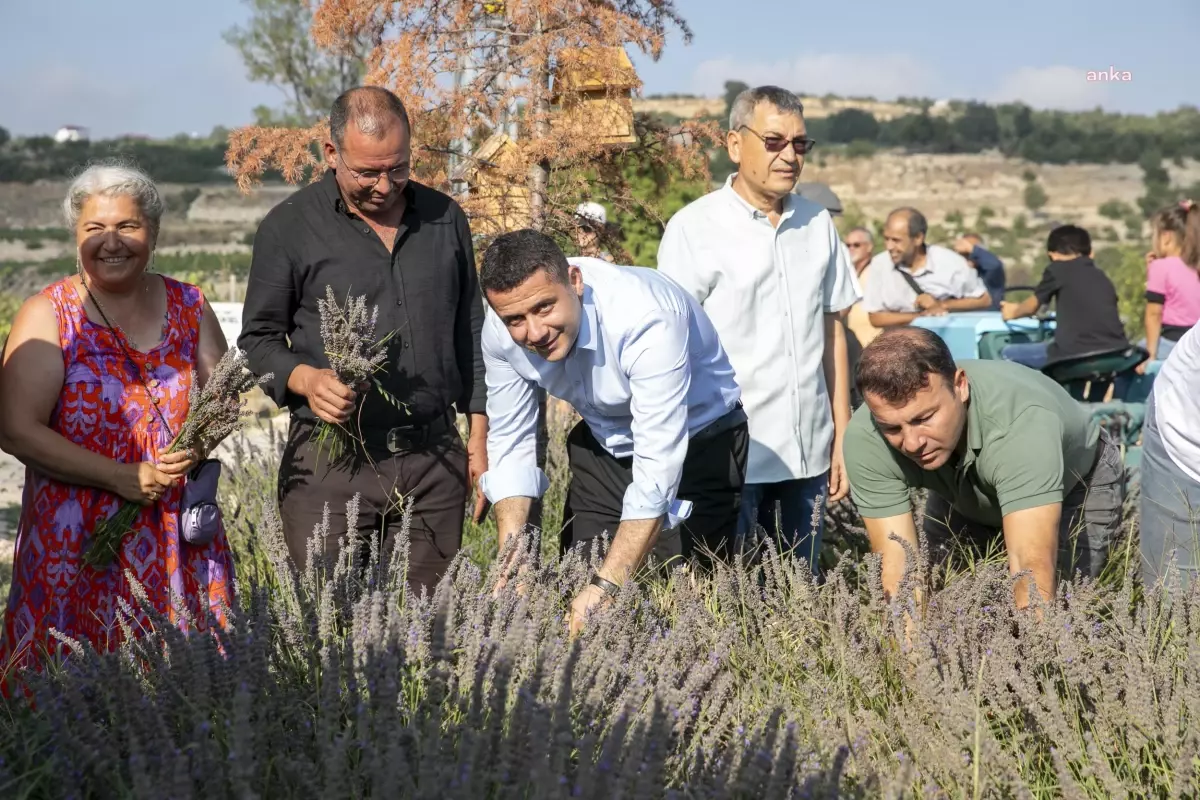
366 228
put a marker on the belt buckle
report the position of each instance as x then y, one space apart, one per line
400 440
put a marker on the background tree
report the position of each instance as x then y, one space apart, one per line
1035 196
277 50
852 124
467 70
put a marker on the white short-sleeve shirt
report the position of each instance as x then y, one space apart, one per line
945 275
767 290
1177 403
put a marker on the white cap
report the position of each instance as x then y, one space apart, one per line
592 212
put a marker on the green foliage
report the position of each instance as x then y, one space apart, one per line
850 125
660 192
860 148
984 216
852 217
978 127
9 306
1125 266
173 161
277 50
1115 210
34 237
1133 226
1035 196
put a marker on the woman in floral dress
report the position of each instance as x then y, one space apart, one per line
94 366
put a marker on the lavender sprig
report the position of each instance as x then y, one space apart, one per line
214 412
355 356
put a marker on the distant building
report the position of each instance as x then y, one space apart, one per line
71 133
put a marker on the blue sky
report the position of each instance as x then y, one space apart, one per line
160 67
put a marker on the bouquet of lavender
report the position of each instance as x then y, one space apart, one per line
214 412
355 356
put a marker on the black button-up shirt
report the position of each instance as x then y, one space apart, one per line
426 289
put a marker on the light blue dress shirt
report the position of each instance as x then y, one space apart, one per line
646 372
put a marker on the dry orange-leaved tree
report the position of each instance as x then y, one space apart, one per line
520 108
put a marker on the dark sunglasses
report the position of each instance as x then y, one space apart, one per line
775 144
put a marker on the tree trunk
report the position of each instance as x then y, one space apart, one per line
539 182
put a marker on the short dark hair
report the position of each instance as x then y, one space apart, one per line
368 107
916 221
1069 240
513 257
898 363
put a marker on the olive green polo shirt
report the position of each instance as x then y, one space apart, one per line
1028 444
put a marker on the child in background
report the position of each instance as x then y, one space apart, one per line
1087 319
1172 278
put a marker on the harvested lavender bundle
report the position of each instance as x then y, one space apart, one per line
214 412
355 356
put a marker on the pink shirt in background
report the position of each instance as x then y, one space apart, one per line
1180 285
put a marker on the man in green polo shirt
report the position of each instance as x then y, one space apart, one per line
1001 448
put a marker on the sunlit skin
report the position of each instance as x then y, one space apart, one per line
904 249
115 243
765 178
543 315
387 155
929 428
860 250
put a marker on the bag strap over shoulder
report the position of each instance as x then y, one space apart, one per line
911 281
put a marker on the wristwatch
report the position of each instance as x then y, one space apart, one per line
609 588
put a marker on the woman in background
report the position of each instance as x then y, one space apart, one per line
1173 278
94 382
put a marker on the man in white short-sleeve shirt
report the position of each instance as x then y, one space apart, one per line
774 277
1170 468
911 279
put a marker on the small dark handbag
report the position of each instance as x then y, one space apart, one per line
199 514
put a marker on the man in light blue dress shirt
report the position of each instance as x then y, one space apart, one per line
663 439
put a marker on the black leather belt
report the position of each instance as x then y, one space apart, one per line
407 438
730 420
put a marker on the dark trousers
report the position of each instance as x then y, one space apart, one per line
434 477
713 472
792 514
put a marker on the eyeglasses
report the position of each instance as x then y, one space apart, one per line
775 144
370 177
857 244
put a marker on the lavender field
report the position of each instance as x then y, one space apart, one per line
754 683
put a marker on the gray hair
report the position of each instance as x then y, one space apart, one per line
742 110
371 108
916 220
114 179
865 232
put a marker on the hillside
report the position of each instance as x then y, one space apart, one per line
939 184
814 107
219 218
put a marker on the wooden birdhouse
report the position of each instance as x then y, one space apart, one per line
593 89
496 202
